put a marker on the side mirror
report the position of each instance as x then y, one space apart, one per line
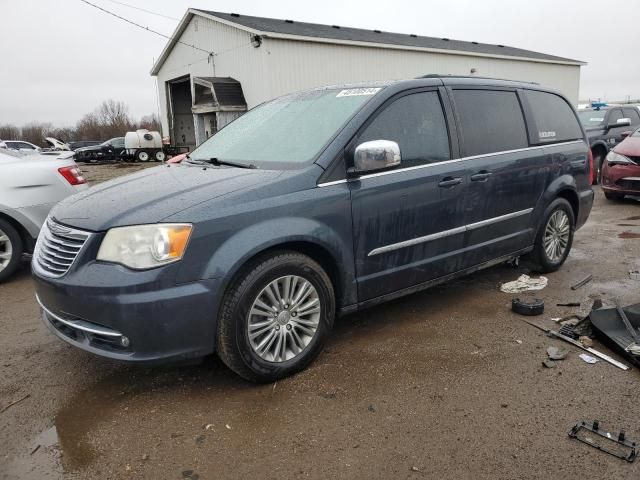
376 155
626 134
622 122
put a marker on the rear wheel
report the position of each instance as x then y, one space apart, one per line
160 156
142 156
555 237
10 249
275 316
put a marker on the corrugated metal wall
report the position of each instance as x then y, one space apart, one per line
282 66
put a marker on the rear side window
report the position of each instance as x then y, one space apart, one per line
490 121
416 123
615 116
633 115
553 118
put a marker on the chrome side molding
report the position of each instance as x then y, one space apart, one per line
448 233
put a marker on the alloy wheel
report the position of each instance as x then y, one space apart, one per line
6 250
556 235
284 318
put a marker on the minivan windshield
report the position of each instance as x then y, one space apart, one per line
592 118
286 132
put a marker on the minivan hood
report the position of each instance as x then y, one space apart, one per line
153 194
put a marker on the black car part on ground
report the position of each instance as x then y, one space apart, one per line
609 326
536 307
616 445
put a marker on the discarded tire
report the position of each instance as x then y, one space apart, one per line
536 307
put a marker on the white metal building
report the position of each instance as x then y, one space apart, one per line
219 65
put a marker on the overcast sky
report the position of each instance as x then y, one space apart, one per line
61 58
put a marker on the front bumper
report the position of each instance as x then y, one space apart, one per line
622 179
97 306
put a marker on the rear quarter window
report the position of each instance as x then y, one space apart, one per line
490 121
553 118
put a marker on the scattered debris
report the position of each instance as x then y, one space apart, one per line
557 353
415 469
569 331
588 358
570 304
616 445
582 282
208 426
145 457
586 341
592 351
597 304
524 283
35 449
371 408
549 363
634 274
15 402
536 307
227 426
571 320
519 342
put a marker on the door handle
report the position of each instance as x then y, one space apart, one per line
480 176
448 182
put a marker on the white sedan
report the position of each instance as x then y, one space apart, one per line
30 185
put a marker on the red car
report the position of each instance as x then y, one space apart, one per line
621 170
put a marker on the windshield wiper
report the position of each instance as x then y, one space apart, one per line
217 162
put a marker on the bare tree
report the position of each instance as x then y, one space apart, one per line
35 133
9 132
114 117
150 122
110 119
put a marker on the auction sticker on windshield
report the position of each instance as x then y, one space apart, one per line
352 92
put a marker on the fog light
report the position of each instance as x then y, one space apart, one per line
124 341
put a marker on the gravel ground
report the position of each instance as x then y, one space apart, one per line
446 384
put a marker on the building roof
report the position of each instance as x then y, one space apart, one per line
294 30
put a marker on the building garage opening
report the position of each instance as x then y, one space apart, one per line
181 121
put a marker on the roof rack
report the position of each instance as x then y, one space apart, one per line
438 75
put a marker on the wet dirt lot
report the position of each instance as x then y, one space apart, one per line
447 383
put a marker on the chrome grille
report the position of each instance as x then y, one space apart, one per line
57 248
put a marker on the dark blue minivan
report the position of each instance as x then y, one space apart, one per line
313 205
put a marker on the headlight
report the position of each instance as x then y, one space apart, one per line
145 246
614 158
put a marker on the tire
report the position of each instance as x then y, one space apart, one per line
160 156
11 249
234 346
613 196
543 262
143 156
598 161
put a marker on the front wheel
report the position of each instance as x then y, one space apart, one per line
598 161
555 236
275 317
